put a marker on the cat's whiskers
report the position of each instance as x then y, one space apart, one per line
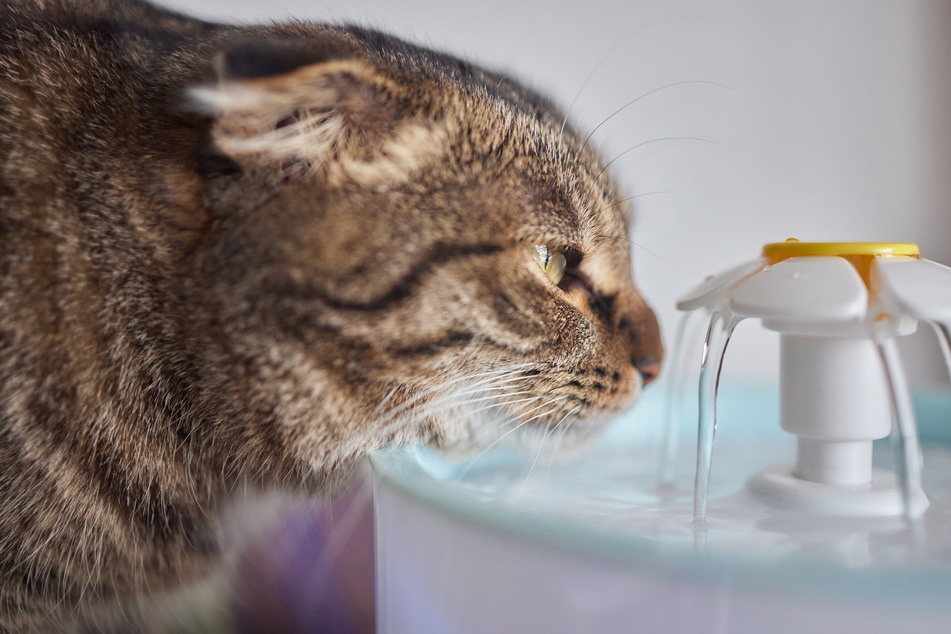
562 435
646 94
607 54
545 413
545 404
386 398
633 244
491 374
472 401
541 443
487 377
449 404
472 462
502 404
648 142
415 410
636 196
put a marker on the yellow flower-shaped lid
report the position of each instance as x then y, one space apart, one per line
859 254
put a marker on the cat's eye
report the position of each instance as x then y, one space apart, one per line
552 262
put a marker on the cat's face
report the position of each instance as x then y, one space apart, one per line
425 242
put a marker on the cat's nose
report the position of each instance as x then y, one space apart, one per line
638 324
648 371
647 349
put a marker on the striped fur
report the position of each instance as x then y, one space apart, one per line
248 256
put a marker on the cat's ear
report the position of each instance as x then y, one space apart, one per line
259 59
307 107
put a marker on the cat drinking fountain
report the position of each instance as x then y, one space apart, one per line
807 523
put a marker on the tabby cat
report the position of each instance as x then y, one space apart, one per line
251 255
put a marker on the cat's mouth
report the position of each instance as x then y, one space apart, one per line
553 425
530 408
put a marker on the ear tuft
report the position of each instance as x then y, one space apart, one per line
292 102
293 108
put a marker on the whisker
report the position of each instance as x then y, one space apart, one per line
561 436
649 92
386 398
545 404
543 414
501 404
482 453
643 143
486 450
484 398
624 200
447 402
541 444
587 79
497 384
634 244
493 375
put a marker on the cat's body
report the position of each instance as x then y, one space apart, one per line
234 255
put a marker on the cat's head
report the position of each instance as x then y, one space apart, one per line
410 242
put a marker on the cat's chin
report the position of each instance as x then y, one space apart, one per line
467 437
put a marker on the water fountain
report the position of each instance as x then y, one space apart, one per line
799 529
838 308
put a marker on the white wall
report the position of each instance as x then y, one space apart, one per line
829 121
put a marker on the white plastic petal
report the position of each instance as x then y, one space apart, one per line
919 288
715 290
815 288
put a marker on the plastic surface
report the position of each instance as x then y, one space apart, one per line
781 488
814 289
834 462
715 291
915 287
594 545
810 366
776 251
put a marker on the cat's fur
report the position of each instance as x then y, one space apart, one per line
254 254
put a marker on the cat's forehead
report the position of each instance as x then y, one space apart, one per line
493 124
507 121
568 170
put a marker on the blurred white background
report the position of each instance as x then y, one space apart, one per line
819 119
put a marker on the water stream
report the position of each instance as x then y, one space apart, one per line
905 437
678 373
944 340
718 336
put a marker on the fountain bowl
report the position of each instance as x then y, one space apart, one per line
523 543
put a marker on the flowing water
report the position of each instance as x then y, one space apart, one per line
944 340
905 434
714 347
686 341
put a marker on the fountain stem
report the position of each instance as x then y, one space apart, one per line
835 399
840 463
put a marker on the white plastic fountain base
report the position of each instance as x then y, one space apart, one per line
804 527
598 546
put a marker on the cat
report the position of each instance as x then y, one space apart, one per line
251 255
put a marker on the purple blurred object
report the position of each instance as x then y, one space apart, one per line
313 572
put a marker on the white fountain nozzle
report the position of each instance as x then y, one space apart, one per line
834 397
838 308
835 427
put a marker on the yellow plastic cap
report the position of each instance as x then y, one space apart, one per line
793 248
860 254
